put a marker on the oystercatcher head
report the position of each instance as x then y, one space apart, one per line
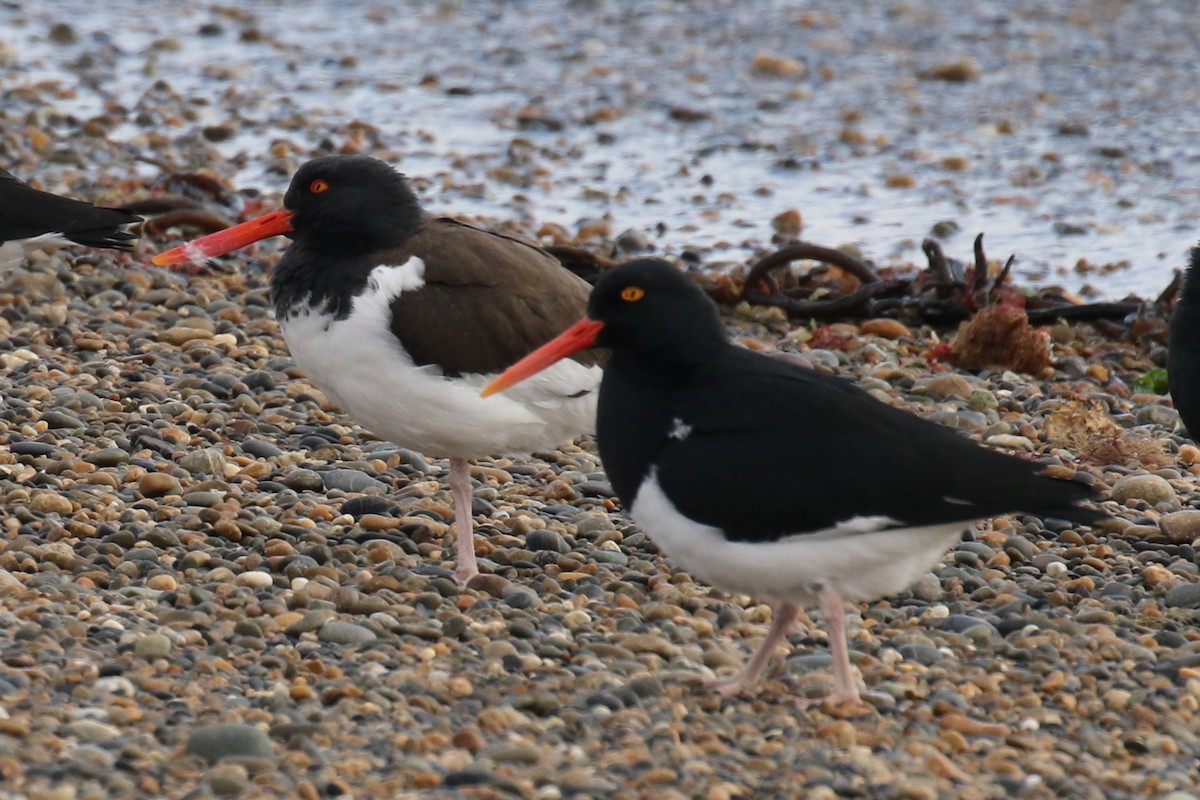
402 317
769 479
1183 355
31 219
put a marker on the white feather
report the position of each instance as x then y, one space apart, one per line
858 558
363 368
13 252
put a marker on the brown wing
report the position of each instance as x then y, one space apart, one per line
488 299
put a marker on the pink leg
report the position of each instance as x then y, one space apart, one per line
833 611
785 614
464 533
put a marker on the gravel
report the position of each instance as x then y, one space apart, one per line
213 583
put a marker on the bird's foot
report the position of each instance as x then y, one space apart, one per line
728 687
465 573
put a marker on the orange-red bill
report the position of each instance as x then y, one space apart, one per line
579 336
221 242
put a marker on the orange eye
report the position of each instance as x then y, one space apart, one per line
318 186
631 294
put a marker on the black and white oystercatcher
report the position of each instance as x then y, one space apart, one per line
766 478
31 219
402 317
1183 353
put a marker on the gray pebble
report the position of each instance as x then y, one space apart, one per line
206 460
311 621
153 645
1151 488
350 480
229 740
338 632
260 448
1185 595
546 539
928 588
303 480
57 419
107 457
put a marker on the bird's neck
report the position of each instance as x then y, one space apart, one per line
306 278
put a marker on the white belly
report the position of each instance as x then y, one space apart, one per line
860 563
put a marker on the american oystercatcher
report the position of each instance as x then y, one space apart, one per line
1183 354
31 219
402 317
768 479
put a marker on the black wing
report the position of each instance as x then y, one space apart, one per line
27 212
802 451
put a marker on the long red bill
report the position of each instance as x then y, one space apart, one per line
579 336
221 242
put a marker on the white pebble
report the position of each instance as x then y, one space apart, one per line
255 579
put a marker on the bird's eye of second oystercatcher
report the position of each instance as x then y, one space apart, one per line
632 293
318 186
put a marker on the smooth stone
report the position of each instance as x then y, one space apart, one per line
928 588
366 504
1151 488
303 480
260 448
157 484
230 740
1157 415
351 480
57 419
32 448
203 499
153 645
961 623
338 632
1181 527
1185 595
311 621
255 579
809 662
545 539
206 460
91 731
518 596
107 457
920 653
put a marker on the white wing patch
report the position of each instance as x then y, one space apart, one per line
392 279
680 430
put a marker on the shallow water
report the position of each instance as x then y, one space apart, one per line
1076 140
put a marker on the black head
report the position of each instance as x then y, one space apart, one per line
351 204
651 307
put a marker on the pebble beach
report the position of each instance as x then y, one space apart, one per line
214 584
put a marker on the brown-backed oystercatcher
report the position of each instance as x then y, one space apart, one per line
402 317
31 219
768 479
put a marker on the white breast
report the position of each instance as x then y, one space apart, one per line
360 364
858 558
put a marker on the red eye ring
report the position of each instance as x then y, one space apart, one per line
318 186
